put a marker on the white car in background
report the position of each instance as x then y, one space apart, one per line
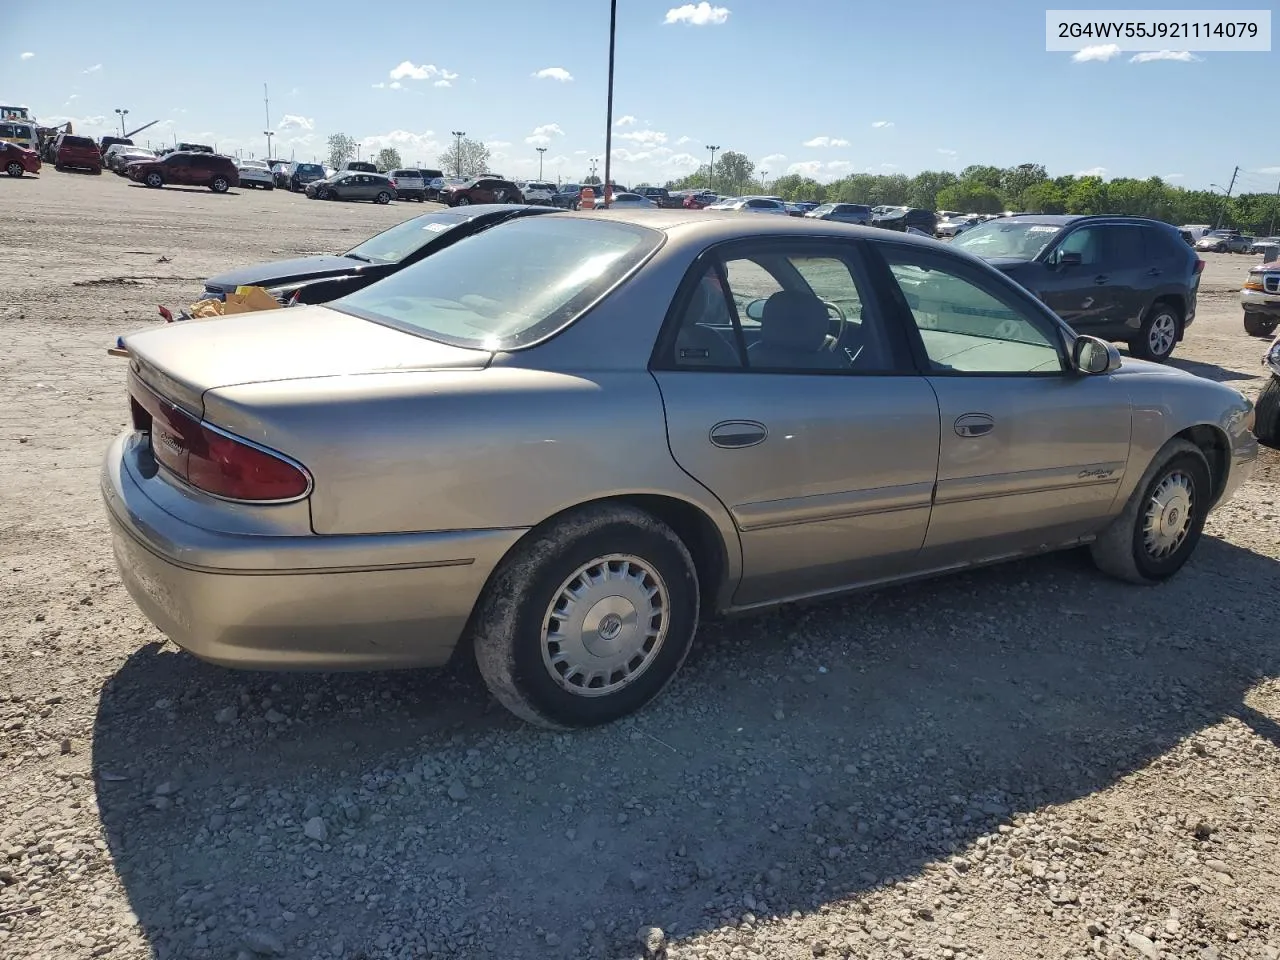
955 225
628 201
256 173
753 205
538 191
409 184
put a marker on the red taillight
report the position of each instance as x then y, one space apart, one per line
1199 266
393 183
212 460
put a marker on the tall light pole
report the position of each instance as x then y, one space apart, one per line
122 114
764 181
594 161
457 151
711 168
268 132
541 152
608 120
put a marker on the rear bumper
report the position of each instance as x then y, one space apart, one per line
295 602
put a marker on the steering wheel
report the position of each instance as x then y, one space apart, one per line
1006 329
833 340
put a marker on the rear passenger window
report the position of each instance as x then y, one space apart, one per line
1124 246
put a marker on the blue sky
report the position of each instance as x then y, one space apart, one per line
824 87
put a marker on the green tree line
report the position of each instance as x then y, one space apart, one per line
1025 188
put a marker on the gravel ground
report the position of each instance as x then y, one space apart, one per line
1027 761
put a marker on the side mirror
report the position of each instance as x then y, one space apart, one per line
1070 258
1092 356
755 310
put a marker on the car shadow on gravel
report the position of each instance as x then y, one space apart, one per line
177 189
802 756
1212 371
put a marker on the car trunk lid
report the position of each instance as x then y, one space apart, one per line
182 361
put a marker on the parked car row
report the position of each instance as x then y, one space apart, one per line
353 486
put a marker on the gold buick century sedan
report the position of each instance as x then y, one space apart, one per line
563 440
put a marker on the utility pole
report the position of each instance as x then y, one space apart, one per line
457 151
608 122
1275 202
711 168
541 152
764 181
1227 199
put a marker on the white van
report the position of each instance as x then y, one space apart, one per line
1197 230
23 134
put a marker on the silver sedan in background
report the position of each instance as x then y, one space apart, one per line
568 437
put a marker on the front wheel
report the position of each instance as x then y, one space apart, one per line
383 197
1266 415
464 201
1159 528
1158 334
14 169
154 180
1257 325
588 618
220 185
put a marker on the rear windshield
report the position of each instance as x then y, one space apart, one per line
392 246
79 142
431 174
310 168
362 166
405 173
509 286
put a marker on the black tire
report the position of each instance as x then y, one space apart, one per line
1266 415
59 167
384 197
1258 325
154 179
520 599
219 185
1122 551
268 187
97 171
1159 334
324 193
463 202
14 169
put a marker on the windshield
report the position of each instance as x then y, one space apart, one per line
392 246
253 164
1015 239
509 286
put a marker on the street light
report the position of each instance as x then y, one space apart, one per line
269 134
711 169
122 114
608 120
541 151
764 181
594 161
457 152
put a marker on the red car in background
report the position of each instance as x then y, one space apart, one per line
73 151
17 160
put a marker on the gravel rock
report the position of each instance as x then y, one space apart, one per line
315 829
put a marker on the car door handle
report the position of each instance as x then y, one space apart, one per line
974 425
736 434
1154 272
1101 279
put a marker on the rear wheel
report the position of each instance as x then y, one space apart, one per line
1160 526
588 618
1257 325
220 185
383 197
1266 415
14 169
154 179
1158 334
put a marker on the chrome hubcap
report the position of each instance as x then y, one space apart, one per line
1164 332
605 625
1168 517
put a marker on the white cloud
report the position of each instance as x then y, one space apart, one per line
542 135
407 70
697 14
394 85
682 161
94 69
626 121
826 142
888 166
683 140
1102 51
553 73
443 83
26 55
1271 170
947 151
1174 176
1092 172
497 144
379 86
773 159
646 137
820 169
413 147
1182 56
292 121
74 96
878 124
